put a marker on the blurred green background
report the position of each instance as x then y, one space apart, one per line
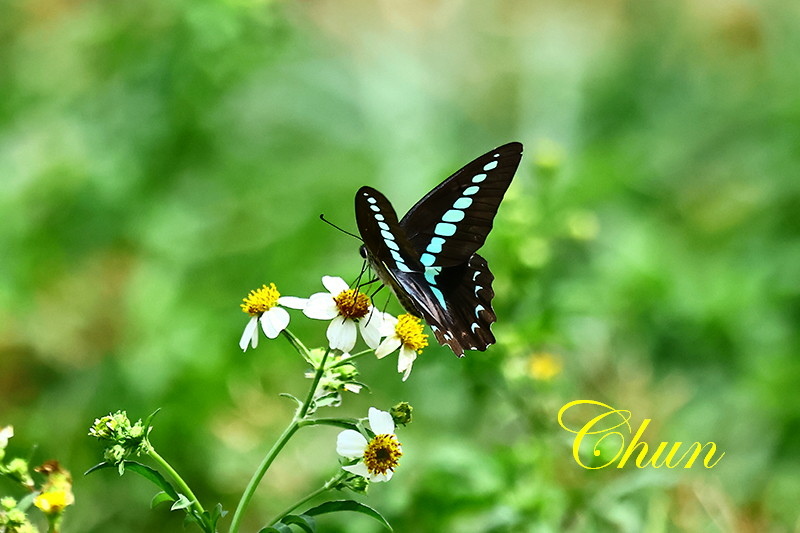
160 159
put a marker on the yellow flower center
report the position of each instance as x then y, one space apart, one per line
352 304
260 300
409 330
53 501
382 454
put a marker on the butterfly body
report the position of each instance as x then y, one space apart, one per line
429 260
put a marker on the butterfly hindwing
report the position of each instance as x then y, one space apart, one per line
451 222
467 288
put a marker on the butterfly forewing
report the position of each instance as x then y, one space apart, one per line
452 221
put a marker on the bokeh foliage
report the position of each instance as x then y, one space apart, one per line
160 159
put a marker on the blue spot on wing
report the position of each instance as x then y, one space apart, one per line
445 229
453 215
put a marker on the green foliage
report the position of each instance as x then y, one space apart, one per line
159 159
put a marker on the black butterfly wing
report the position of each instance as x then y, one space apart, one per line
451 222
396 262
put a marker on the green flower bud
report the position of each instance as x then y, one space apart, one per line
8 503
401 413
17 469
356 483
114 454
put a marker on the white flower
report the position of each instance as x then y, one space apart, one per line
379 456
5 434
404 332
262 306
349 311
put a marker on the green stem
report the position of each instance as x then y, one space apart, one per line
296 423
298 345
332 482
336 422
259 474
352 357
318 376
183 488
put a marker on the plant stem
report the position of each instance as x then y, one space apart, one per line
298 345
324 488
336 422
282 440
310 398
183 488
259 474
346 360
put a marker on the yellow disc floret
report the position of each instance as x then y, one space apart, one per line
260 300
352 304
382 454
409 330
53 501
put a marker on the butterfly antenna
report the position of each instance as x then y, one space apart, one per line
325 220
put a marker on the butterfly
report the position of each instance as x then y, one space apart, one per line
428 258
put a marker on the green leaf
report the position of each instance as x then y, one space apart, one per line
144 471
306 523
182 503
277 528
213 517
26 502
348 505
148 420
287 395
98 466
159 498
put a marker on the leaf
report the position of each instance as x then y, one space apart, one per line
306 523
213 517
287 395
98 466
148 420
26 502
182 503
277 528
348 505
144 471
159 498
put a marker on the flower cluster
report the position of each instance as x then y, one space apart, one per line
123 438
349 313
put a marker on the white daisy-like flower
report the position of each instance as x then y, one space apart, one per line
5 434
349 311
262 306
379 456
404 332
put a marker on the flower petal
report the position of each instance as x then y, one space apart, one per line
377 478
380 422
405 361
293 302
350 443
388 324
370 327
388 345
321 307
274 321
359 469
250 334
342 334
334 284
